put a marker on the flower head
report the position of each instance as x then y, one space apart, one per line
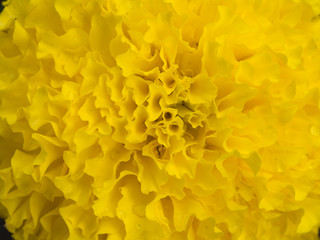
162 119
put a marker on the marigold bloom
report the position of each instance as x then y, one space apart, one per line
160 119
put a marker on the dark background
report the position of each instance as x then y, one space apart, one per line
4 234
1 7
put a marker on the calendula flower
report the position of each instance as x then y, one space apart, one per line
160 119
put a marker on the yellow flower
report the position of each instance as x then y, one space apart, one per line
160 119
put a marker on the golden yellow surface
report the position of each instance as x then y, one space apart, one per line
160 119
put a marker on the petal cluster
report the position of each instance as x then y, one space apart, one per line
160 119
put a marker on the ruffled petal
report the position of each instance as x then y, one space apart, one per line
160 119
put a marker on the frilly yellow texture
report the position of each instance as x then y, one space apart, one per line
160 119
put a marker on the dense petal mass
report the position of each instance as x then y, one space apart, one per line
160 119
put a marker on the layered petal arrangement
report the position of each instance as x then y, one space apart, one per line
160 119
